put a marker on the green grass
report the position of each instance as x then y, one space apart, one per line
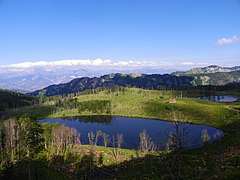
150 104
135 102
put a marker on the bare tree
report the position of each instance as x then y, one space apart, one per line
106 139
177 139
93 139
205 137
176 143
117 143
11 137
64 138
98 134
146 143
119 140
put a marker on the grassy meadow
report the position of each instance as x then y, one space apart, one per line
135 102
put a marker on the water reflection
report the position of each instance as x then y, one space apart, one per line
89 119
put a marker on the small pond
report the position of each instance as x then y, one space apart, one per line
158 130
220 98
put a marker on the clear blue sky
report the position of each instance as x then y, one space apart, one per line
157 30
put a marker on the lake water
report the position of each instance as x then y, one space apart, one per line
131 127
220 98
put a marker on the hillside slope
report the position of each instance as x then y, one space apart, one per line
132 80
208 70
9 99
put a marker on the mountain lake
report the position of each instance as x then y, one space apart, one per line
158 130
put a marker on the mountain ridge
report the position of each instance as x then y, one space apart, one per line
212 75
207 70
133 80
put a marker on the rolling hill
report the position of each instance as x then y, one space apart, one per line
126 80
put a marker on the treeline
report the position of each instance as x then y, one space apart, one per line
19 140
9 99
24 141
95 106
91 106
108 90
203 90
124 80
188 91
154 81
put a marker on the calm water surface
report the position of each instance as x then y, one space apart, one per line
131 127
220 98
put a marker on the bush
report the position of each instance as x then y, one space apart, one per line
95 106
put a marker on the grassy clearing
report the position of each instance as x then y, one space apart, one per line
135 102
155 104
125 154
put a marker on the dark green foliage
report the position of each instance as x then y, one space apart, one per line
67 103
20 141
9 99
40 170
95 106
34 112
31 132
21 150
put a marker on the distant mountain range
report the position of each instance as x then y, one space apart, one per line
208 70
212 75
34 78
131 80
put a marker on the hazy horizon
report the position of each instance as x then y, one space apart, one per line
128 64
